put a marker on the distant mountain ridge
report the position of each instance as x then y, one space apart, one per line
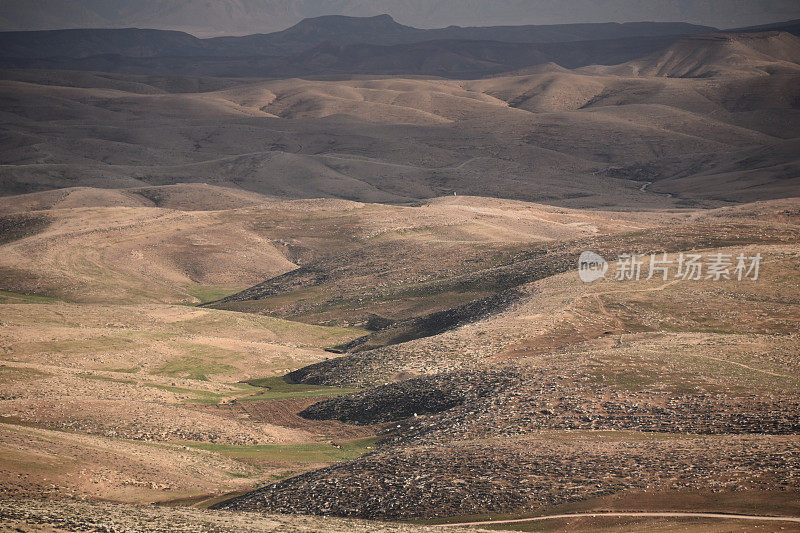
242 17
450 59
384 30
339 45
309 33
79 43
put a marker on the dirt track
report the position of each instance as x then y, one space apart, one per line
632 515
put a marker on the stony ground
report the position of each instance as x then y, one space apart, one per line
656 386
478 374
531 473
646 386
69 515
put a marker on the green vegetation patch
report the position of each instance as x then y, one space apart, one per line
120 370
191 367
279 388
317 452
9 374
110 380
211 293
8 297
297 333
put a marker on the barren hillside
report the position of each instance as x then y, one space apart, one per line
528 136
533 278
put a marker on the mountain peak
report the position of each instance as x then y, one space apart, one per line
343 21
343 29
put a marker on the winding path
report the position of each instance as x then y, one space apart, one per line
647 184
795 519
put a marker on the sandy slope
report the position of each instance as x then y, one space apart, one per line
94 253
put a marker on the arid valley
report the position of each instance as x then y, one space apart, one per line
331 278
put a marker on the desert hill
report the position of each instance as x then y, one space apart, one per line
532 133
720 54
69 242
331 278
333 271
152 519
91 278
182 197
624 362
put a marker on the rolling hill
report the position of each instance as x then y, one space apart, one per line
720 54
723 107
239 284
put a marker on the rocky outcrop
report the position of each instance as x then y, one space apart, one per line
407 399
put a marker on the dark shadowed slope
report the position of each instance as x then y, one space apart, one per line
379 30
791 26
335 44
720 54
